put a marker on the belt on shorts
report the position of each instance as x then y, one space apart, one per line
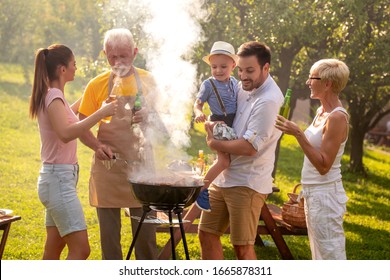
58 167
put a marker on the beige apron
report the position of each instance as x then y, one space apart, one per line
108 185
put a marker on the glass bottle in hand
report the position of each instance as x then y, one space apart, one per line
115 91
137 107
285 108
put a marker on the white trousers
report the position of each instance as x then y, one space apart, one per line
325 206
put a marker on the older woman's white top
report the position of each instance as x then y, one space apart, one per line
310 174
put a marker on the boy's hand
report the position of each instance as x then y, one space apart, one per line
209 131
200 118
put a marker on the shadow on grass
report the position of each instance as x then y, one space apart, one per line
367 202
382 181
374 178
374 242
369 155
379 211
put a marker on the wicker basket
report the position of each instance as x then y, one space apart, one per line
293 211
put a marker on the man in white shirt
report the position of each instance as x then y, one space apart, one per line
238 194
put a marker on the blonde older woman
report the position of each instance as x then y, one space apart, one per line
323 144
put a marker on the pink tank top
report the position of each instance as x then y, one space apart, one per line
53 150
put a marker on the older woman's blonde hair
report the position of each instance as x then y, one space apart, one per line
333 70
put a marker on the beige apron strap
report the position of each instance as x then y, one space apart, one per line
138 80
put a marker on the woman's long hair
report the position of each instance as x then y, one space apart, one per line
47 62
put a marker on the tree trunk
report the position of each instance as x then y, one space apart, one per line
26 75
356 159
286 58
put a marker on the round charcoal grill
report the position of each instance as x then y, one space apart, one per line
168 198
165 197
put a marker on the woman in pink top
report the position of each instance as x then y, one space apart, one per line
59 128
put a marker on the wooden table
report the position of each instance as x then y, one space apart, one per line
5 225
271 223
379 137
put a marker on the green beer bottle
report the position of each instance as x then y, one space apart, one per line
137 107
285 109
137 103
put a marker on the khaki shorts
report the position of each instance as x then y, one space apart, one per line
237 207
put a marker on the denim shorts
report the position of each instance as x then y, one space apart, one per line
57 192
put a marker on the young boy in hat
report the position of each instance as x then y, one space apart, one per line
220 92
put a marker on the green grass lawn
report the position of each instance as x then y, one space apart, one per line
367 223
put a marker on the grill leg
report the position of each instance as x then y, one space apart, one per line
172 235
146 210
183 236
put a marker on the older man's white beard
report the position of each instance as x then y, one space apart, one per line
121 69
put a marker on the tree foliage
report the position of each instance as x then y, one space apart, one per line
28 25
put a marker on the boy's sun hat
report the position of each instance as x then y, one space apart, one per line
221 47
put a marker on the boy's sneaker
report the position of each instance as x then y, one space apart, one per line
202 201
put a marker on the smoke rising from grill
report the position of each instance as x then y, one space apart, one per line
170 30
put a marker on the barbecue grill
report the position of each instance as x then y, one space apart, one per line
167 198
